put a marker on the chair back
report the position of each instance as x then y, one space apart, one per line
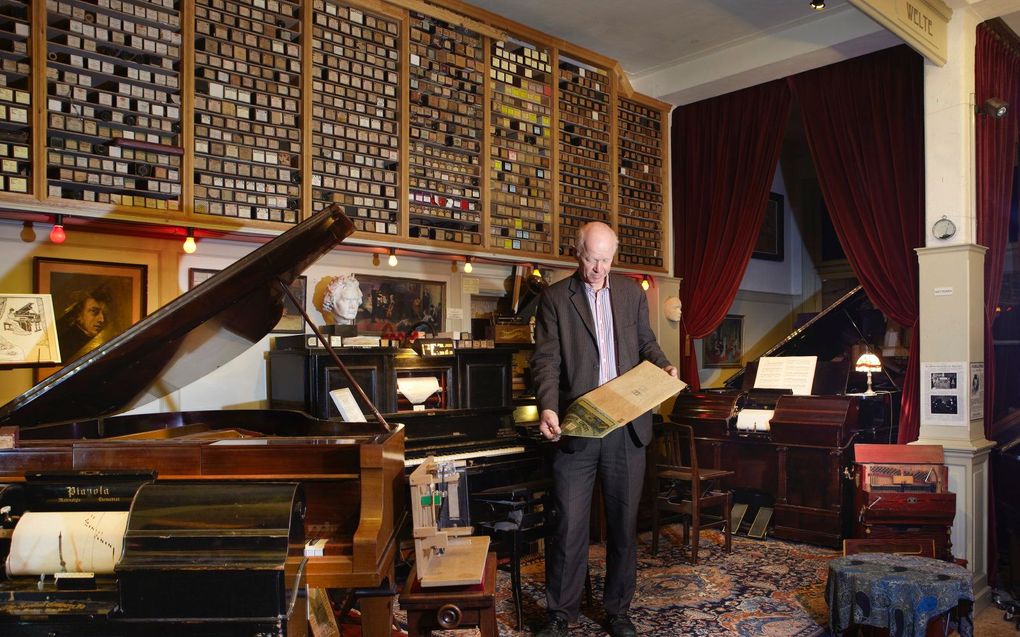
677 451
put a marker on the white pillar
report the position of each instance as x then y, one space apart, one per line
951 288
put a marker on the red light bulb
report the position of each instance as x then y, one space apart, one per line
57 234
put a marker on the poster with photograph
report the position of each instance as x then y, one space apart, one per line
977 391
28 329
945 390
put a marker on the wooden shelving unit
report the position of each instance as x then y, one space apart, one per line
15 98
585 138
438 125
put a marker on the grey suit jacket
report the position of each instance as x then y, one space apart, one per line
565 363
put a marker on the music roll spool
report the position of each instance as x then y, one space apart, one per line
48 542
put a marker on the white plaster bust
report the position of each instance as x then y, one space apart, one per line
342 299
672 309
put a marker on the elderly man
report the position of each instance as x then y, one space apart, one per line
590 328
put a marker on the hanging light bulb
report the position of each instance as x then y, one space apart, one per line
189 242
375 258
645 283
57 234
27 232
467 265
535 272
393 258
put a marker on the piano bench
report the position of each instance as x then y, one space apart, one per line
450 607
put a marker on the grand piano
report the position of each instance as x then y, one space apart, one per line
342 483
800 465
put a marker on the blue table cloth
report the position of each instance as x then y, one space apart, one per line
899 592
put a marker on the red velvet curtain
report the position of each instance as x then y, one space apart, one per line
865 126
724 154
996 75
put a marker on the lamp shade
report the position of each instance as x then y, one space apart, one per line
868 362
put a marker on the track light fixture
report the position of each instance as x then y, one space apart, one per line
57 234
189 242
993 107
817 5
393 258
535 272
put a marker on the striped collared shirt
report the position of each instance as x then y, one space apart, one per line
602 311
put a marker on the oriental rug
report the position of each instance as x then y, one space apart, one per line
764 587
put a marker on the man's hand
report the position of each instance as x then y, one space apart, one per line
550 425
672 371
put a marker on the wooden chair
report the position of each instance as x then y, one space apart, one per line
683 488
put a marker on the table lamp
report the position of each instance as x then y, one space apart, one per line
868 362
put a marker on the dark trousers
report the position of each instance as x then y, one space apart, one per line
619 462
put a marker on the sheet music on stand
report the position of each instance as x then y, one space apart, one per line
796 373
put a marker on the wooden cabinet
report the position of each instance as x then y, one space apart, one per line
446 127
470 379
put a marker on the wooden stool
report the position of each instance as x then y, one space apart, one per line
449 607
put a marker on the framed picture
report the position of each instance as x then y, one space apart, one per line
93 301
198 275
725 346
391 306
770 239
28 331
292 322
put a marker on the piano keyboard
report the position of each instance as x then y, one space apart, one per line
467 455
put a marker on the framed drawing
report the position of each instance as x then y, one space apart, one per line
391 306
198 275
770 238
292 322
28 331
725 346
93 301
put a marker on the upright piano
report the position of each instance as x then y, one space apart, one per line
799 461
346 480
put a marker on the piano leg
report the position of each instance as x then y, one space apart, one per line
377 612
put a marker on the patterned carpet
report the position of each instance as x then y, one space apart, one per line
762 588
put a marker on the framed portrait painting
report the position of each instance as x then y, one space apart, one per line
725 346
93 301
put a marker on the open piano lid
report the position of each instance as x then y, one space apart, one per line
185 339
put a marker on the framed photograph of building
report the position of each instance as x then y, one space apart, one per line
93 301
769 245
292 322
725 346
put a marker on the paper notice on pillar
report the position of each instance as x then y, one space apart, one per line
977 391
943 397
619 401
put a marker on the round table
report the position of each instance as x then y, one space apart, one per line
899 592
